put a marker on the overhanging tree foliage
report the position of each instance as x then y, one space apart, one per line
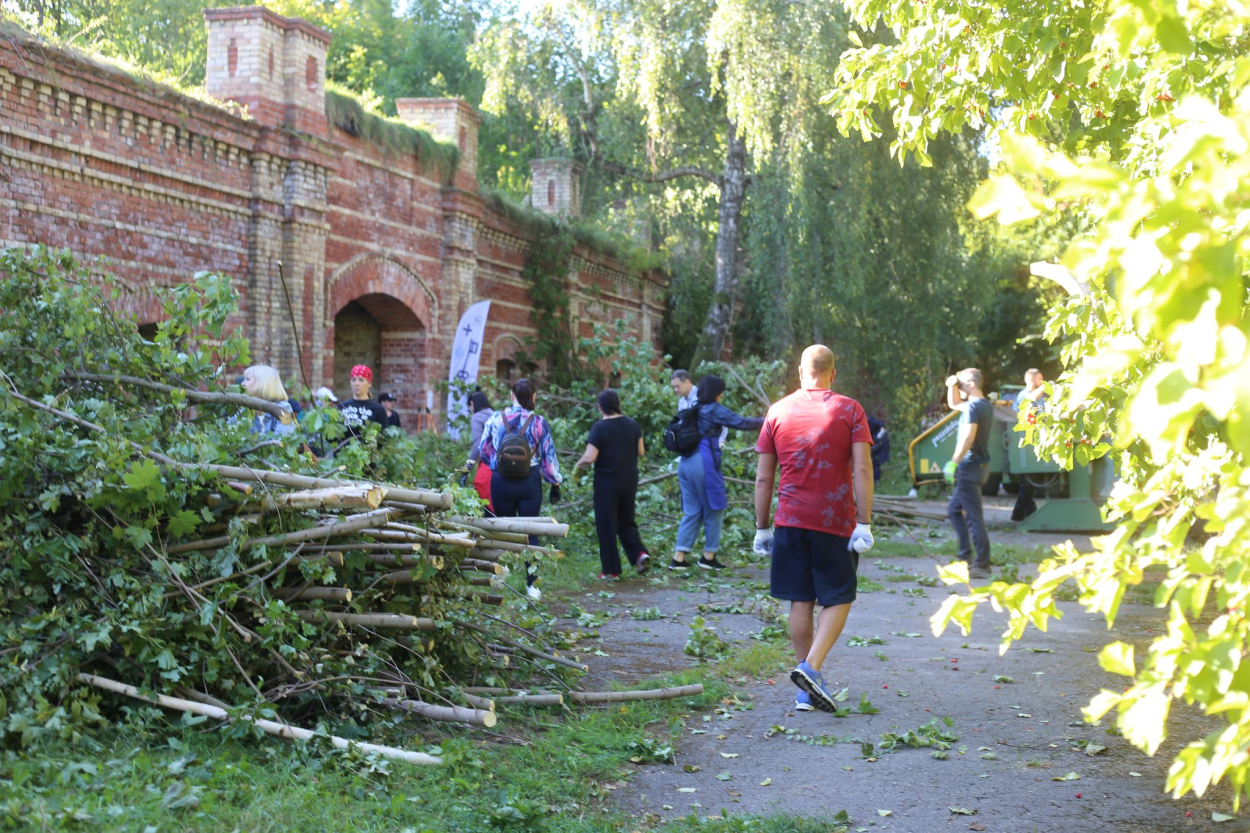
1136 116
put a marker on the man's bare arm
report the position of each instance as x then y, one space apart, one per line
765 480
952 396
861 462
964 447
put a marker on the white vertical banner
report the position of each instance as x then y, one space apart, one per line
466 355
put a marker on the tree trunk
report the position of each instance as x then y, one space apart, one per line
712 340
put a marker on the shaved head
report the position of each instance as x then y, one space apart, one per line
816 368
818 359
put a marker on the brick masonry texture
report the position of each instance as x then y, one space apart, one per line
379 256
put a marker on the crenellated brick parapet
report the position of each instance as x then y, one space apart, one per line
371 247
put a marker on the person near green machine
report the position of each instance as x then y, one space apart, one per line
969 468
1029 399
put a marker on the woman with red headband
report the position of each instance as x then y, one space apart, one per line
360 408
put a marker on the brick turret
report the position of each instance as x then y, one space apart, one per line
273 64
556 186
450 120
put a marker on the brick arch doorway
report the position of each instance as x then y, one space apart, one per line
381 311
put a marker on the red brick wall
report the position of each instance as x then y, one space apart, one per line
160 186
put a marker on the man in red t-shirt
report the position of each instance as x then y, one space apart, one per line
822 443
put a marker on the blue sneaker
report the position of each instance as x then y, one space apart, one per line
803 702
811 681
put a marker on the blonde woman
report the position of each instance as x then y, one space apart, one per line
264 382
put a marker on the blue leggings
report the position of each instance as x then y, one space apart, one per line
696 511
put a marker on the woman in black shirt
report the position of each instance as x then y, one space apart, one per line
614 447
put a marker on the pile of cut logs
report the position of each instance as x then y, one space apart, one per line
370 567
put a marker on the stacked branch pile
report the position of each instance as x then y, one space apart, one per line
151 548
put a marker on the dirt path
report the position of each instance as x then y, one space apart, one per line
1013 739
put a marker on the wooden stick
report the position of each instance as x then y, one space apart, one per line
469 595
507 696
535 553
450 714
481 566
399 577
400 559
283 730
437 500
415 508
334 559
508 546
354 523
239 399
326 594
646 694
331 499
368 620
751 388
200 697
448 540
517 646
515 526
364 547
531 700
480 702
434 538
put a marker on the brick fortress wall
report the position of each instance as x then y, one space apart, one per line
381 251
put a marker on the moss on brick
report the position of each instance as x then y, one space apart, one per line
345 111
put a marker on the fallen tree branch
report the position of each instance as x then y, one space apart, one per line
208 397
283 730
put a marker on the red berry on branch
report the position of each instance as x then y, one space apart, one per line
902 85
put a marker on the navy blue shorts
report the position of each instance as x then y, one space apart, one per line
812 566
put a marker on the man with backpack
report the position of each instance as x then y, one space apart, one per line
518 449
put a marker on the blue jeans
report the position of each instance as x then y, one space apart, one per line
967 516
696 512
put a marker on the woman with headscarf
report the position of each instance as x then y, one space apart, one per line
517 447
703 498
614 446
264 382
479 407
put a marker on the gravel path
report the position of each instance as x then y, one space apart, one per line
1013 738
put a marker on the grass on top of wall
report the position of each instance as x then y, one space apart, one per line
529 219
346 112
154 82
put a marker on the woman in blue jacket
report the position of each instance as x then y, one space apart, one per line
703 499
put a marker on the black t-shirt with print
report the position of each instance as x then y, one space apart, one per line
617 441
356 412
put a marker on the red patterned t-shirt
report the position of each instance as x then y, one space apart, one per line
811 432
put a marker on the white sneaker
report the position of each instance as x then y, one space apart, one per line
534 593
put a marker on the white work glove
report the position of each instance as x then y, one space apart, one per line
763 542
861 538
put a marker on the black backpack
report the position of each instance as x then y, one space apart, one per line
682 434
515 452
